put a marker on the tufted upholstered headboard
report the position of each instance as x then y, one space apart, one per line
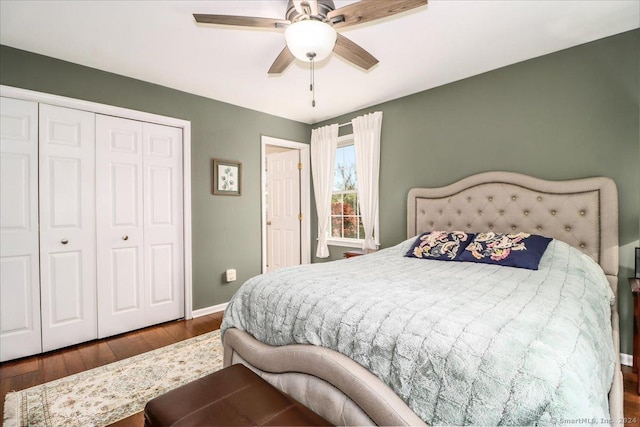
581 212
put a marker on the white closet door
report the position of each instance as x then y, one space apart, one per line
163 229
120 231
67 226
19 267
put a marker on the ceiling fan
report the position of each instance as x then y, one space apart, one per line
311 28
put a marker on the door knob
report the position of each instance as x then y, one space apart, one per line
268 222
125 237
64 241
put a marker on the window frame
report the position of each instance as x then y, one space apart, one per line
348 242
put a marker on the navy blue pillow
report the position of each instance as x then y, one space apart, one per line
440 245
521 250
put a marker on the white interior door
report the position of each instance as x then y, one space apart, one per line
119 225
67 226
163 223
19 265
283 209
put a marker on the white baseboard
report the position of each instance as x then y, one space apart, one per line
626 359
209 310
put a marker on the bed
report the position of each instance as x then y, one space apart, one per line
385 382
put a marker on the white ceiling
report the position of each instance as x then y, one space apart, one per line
445 41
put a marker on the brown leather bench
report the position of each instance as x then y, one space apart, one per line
233 396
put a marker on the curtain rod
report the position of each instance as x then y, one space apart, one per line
344 124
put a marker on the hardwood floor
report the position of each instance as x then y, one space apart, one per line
30 371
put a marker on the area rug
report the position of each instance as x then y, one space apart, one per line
107 394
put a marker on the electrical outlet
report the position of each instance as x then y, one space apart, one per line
231 275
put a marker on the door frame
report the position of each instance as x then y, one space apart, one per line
110 110
305 200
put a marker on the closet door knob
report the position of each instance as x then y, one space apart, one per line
125 237
64 241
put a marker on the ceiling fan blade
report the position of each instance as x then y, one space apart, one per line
282 61
242 21
369 10
353 53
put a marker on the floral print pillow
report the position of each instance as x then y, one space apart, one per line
439 245
521 250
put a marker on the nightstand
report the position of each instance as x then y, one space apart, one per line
635 289
350 254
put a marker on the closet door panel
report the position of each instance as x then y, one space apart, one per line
66 287
67 226
163 223
119 189
20 333
125 286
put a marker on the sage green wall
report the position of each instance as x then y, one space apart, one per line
570 114
226 230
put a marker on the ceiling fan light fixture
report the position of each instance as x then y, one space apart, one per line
310 36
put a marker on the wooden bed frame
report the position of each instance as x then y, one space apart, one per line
582 213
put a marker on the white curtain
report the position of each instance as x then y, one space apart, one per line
324 142
366 139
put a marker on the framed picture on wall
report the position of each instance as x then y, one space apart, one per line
227 177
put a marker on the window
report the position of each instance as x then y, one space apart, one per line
346 222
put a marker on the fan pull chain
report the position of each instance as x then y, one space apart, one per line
312 85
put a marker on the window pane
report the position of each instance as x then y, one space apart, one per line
336 226
351 227
345 169
350 218
349 204
336 204
360 229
